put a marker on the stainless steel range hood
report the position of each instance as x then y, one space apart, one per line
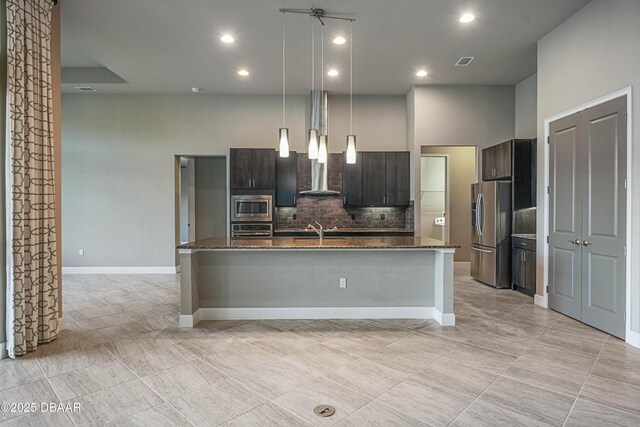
319 120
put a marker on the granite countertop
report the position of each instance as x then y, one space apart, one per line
347 242
328 231
525 236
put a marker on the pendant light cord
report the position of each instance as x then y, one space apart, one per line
322 60
351 78
313 54
283 75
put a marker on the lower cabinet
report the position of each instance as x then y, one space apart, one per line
523 270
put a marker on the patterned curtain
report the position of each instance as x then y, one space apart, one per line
32 303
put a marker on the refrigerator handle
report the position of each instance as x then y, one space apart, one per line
477 210
481 213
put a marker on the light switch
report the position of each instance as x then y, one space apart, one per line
81 252
343 282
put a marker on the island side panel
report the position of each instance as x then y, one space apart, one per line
443 291
189 295
258 279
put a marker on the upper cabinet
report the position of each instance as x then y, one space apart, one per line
385 178
514 160
252 169
496 162
287 180
352 181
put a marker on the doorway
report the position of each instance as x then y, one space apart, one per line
587 247
433 196
460 171
201 198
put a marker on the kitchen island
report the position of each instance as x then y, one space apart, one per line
308 278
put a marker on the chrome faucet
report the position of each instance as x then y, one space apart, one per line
319 230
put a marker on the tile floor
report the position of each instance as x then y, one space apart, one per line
507 362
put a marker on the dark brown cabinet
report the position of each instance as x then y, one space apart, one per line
523 265
252 168
385 178
514 160
396 175
373 185
352 181
287 180
496 162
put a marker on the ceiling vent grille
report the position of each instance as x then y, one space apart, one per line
465 61
85 88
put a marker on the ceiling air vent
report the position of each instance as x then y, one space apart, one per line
85 88
464 61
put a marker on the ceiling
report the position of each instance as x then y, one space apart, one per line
169 46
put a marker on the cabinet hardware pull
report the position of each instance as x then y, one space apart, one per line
575 242
585 243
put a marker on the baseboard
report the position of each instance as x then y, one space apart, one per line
445 319
540 300
119 270
3 350
259 313
633 338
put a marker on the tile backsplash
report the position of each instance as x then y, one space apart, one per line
524 221
329 210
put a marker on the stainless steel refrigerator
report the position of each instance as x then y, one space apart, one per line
491 233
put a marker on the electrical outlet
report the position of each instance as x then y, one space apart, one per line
381 216
294 216
343 282
81 252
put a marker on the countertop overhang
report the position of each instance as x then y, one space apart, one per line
328 243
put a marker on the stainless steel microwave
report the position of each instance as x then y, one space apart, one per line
251 207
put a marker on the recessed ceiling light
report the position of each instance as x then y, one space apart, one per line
339 40
243 72
467 17
195 89
227 38
332 72
85 88
421 73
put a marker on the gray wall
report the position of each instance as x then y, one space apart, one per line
457 115
593 53
119 165
211 197
526 108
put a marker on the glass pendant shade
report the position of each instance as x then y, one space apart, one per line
351 149
322 149
313 144
284 142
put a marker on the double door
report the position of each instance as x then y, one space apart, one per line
587 216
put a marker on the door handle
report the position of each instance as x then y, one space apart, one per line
585 243
480 250
575 242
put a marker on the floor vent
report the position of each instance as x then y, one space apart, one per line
464 61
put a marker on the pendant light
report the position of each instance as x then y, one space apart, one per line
322 144
351 138
283 132
313 133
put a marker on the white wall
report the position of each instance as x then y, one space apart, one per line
457 115
118 160
526 108
593 53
